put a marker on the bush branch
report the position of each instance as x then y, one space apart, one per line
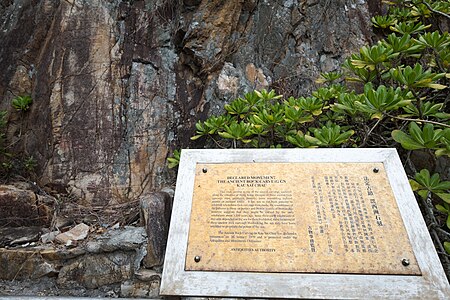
420 121
436 11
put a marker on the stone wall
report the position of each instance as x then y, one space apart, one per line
86 260
117 85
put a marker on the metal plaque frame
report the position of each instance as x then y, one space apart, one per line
432 284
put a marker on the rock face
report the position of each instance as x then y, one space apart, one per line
117 84
20 207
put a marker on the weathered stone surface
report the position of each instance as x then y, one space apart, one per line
136 288
155 213
147 275
49 236
23 264
77 233
117 84
62 221
46 288
18 235
95 270
52 254
128 238
117 259
22 208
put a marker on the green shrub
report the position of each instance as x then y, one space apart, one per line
13 161
22 103
405 100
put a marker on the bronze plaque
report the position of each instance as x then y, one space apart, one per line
297 217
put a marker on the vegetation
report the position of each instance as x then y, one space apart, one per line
22 103
392 93
14 163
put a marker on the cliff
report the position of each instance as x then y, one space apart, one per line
117 85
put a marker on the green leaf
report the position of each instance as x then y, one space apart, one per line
423 177
436 86
447 244
416 133
448 221
377 115
444 196
442 152
444 185
423 194
442 209
195 137
405 140
415 185
226 135
173 162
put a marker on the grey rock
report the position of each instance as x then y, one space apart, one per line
62 221
141 253
168 190
70 244
26 239
21 185
128 238
44 269
93 246
49 237
19 235
148 289
155 212
45 288
147 275
443 167
96 270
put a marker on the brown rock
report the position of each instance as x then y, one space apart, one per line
155 213
77 233
117 84
23 264
21 208
208 36
53 254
